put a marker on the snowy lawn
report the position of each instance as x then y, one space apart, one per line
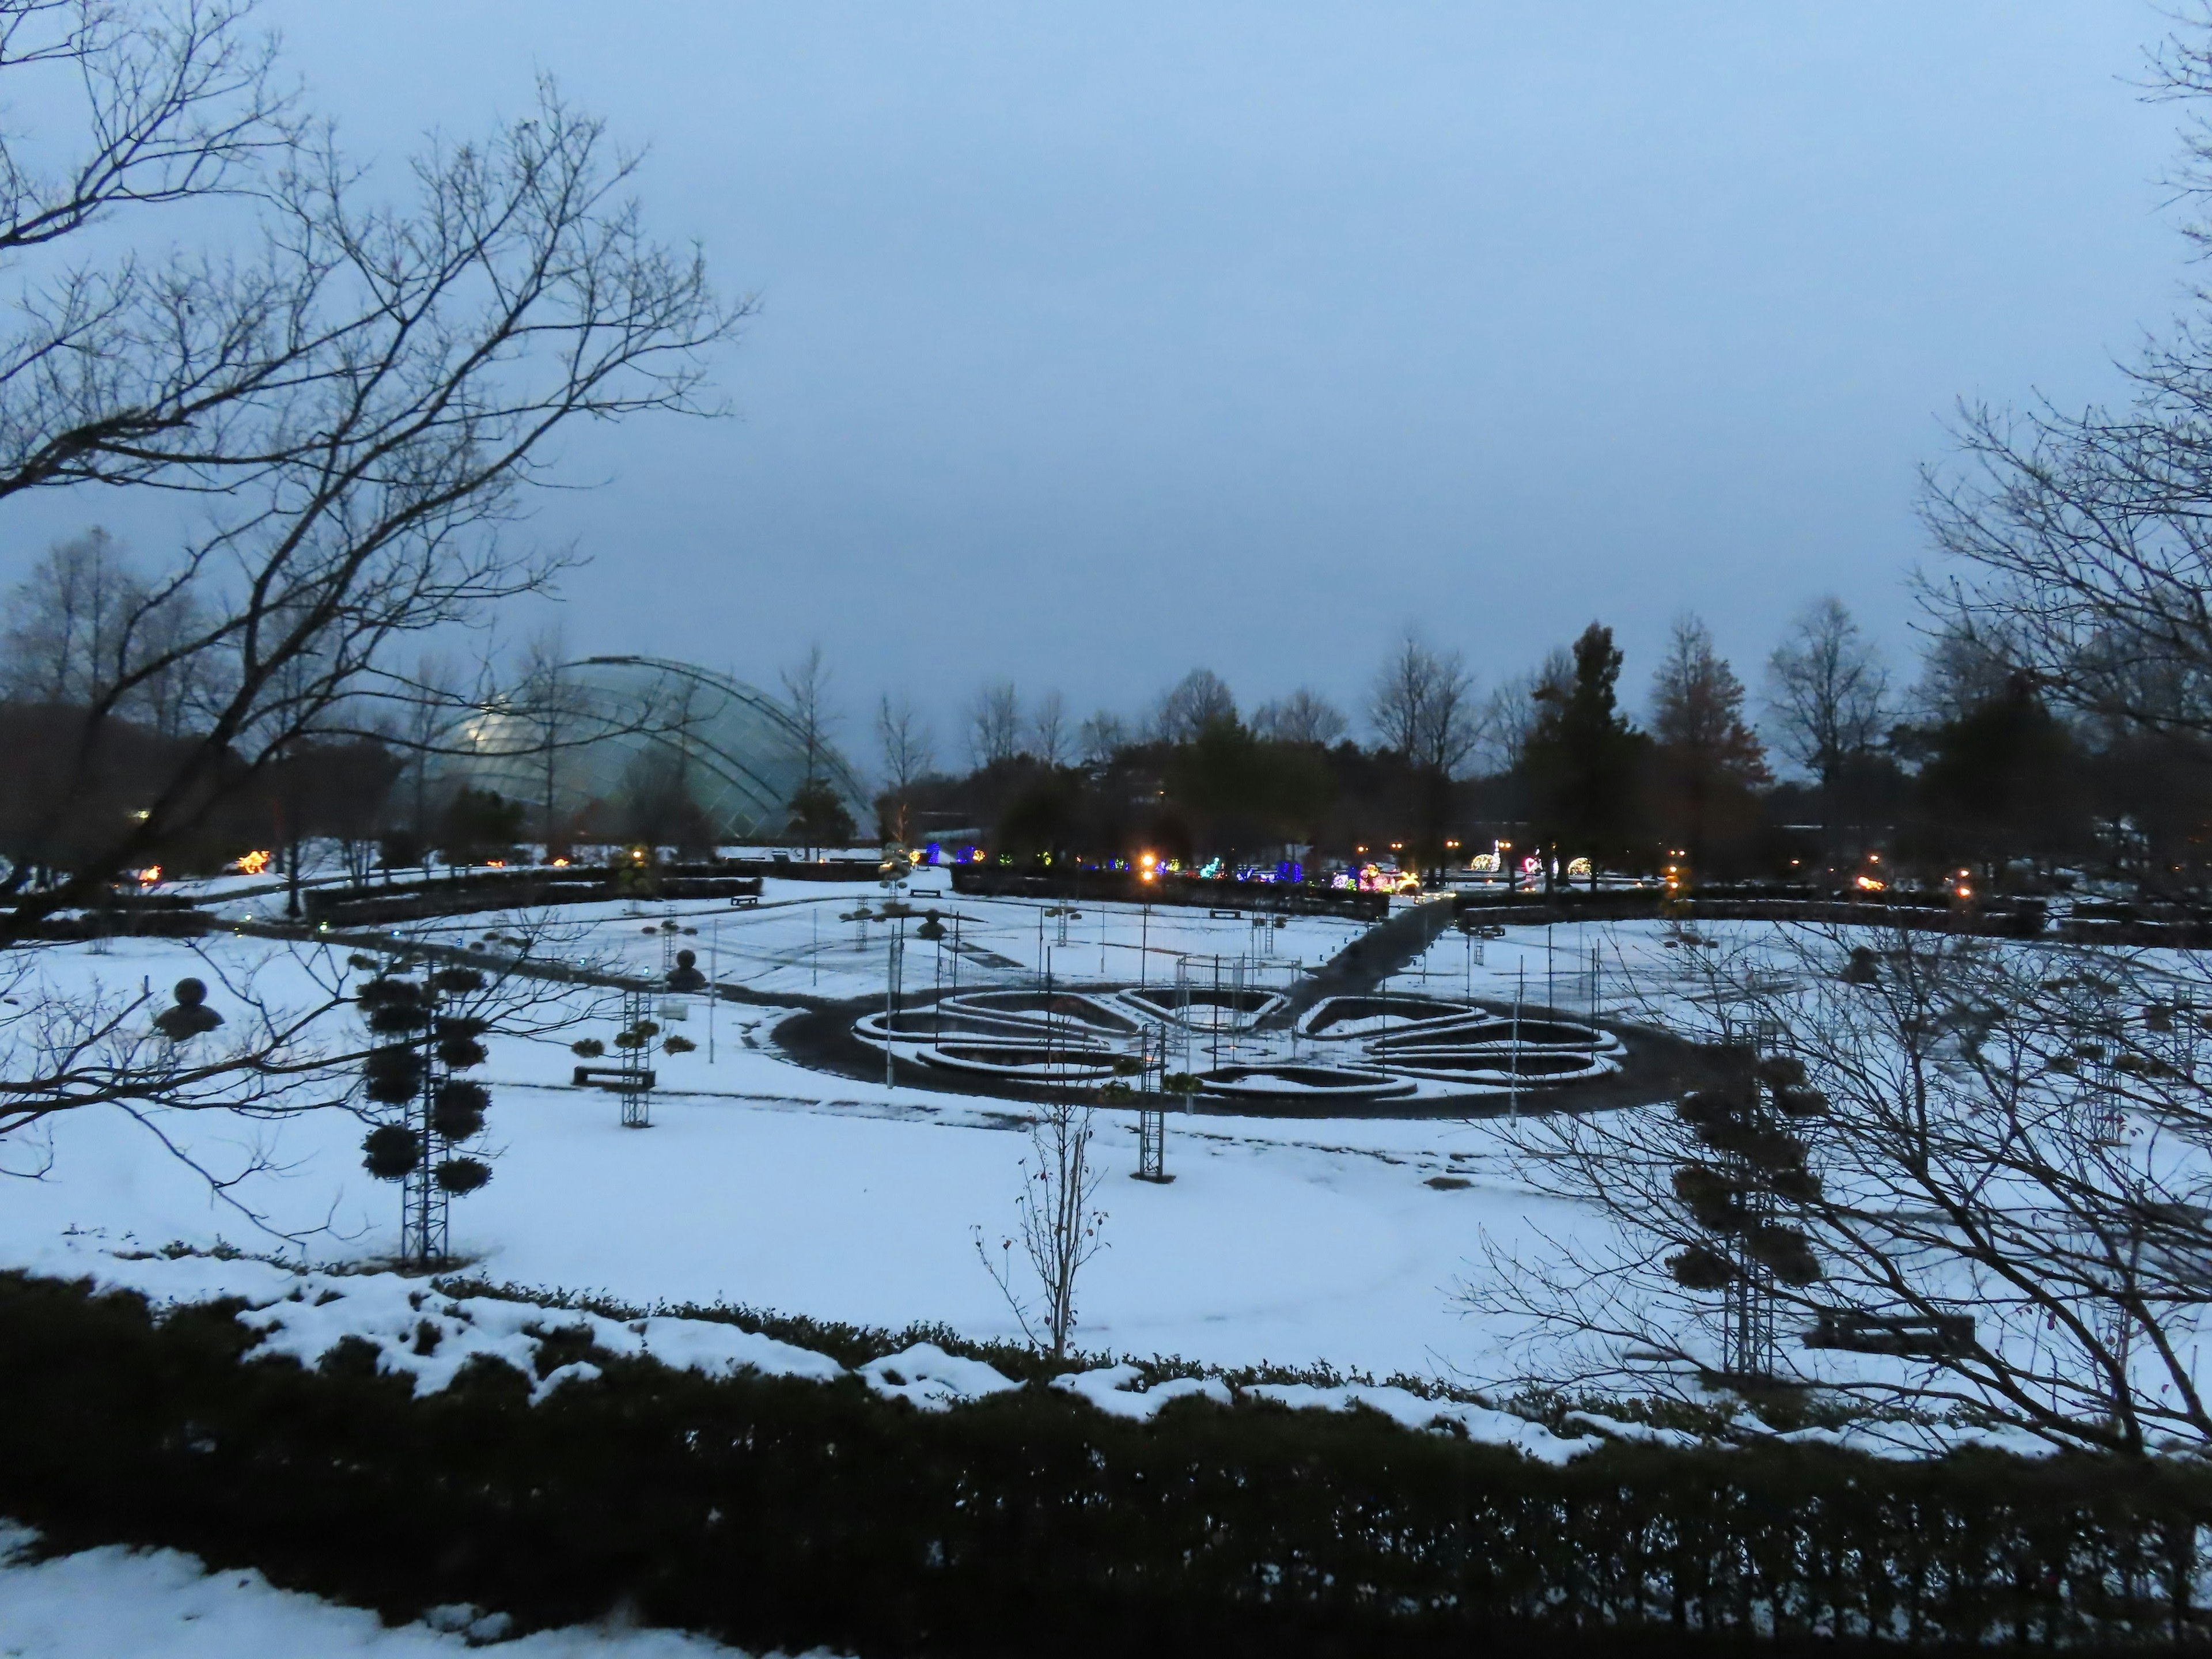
765 1184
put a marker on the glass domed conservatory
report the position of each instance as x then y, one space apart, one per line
597 732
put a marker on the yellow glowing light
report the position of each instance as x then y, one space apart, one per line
254 863
150 876
1966 892
559 864
1148 860
1871 884
1148 875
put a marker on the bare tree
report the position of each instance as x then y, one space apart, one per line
806 689
1102 737
554 713
1049 732
1423 707
431 715
1983 1188
2077 538
1511 712
1827 692
1061 1226
1198 700
1306 716
995 724
353 397
1960 672
60 642
356 407
908 750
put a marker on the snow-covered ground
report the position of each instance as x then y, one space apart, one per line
159 1604
766 1183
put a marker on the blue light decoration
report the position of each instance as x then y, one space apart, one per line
1210 871
933 853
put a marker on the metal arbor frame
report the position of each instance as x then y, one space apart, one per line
633 1087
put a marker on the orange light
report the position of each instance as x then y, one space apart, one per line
1148 860
1966 892
254 863
150 876
1148 875
1871 884
559 864
494 864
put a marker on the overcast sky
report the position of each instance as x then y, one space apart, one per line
1098 341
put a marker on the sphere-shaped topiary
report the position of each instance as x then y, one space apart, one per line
1785 1251
588 1048
458 981
462 1175
392 1074
1699 1268
397 1018
459 1110
460 1053
391 1150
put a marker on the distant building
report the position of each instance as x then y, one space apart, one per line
609 736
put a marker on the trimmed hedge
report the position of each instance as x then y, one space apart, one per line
781 1513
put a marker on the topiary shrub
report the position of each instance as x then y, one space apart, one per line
587 1048
462 1175
460 982
1786 1251
460 1052
1714 1201
398 1018
1699 1268
678 1045
459 1111
390 1151
392 1074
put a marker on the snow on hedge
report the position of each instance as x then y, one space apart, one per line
425 1336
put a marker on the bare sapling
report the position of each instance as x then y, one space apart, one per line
1061 1226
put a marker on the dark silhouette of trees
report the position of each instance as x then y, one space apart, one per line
2003 781
1828 692
819 816
1584 760
1708 766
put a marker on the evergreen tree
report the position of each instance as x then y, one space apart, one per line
1582 761
2004 781
1707 764
819 816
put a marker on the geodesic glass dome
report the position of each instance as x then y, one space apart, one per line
608 722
